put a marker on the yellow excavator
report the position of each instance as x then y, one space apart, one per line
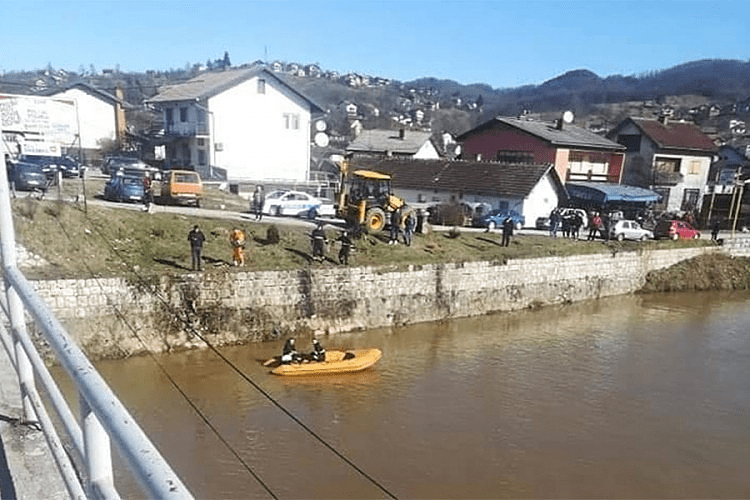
365 199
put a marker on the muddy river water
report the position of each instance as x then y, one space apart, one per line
634 396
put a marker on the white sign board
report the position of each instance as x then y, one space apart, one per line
51 119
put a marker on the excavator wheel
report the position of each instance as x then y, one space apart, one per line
375 220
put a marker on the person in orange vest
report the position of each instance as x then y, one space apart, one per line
237 238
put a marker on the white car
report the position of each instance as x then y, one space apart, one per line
294 203
629 229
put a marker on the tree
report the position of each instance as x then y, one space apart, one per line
226 62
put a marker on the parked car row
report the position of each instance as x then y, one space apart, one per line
177 186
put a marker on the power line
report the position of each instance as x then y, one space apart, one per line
171 380
188 325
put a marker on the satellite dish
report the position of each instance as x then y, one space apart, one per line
321 139
568 117
320 126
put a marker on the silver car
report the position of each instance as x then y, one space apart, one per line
630 230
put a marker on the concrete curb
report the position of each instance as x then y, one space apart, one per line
28 470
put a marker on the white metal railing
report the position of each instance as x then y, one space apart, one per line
103 417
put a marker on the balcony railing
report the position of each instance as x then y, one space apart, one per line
662 178
187 129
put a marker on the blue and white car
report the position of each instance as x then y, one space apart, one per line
495 219
295 203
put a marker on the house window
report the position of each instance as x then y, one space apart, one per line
169 116
632 143
667 165
201 157
515 157
186 154
291 121
261 86
695 167
590 165
201 142
183 115
690 199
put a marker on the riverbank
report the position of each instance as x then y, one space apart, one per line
716 271
120 317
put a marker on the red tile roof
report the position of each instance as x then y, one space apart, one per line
675 135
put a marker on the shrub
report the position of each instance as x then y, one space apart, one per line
272 235
454 233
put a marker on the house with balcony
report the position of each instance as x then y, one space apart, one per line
669 157
576 153
239 124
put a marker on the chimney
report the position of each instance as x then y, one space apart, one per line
664 119
559 124
401 133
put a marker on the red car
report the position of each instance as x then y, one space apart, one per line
675 229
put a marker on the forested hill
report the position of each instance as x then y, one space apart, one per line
691 89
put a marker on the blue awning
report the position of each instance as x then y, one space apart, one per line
602 193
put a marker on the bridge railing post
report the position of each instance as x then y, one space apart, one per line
98 455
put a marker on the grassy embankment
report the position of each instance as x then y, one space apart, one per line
105 241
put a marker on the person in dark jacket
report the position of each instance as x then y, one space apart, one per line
318 242
346 247
196 239
319 352
289 354
507 230
395 226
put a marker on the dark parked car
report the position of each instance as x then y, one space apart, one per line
52 164
122 187
495 219
114 163
27 176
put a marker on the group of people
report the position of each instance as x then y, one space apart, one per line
196 238
409 223
290 355
568 223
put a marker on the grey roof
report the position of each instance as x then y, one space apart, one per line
91 90
469 177
568 135
211 83
382 141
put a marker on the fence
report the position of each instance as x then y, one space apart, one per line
88 472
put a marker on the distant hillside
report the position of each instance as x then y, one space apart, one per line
694 90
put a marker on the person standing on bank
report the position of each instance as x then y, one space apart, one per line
318 242
395 226
196 239
237 239
507 231
148 194
258 200
346 247
409 225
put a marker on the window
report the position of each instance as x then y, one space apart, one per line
632 143
515 157
667 165
201 142
183 114
291 121
690 199
201 157
589 165
261 86
695 167
170 117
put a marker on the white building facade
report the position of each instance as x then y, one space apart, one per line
246 122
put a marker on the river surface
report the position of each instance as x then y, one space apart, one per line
634 396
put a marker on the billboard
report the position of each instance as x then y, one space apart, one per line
53 120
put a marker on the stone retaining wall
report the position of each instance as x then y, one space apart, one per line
116 317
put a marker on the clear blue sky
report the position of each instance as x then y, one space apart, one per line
504 43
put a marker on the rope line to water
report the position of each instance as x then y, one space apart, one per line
171 380
237 370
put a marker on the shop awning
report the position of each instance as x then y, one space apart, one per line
601 193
